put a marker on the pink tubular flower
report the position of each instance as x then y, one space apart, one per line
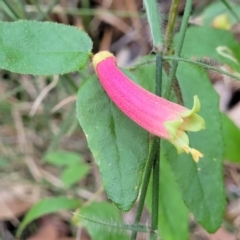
157 115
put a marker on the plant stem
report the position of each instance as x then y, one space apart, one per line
145 183
158 82
202 65
198 63
156 162
230 8
9 10
71 83
152 163
155 193
178 50
170 26
110 226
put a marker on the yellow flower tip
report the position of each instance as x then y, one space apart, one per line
194 152
181 142
100 56
196 104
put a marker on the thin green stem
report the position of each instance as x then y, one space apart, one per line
201 64
145 183
155 193
109 226
178 50
158 82
230 8
71 83
197 63
156 162
170 26
9 10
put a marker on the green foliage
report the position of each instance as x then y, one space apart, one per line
231 136
155 22
218 8
46 206
202 43
74 167
74 173
187 174
102 220
62 158
42 48
201 184
173 214
119 146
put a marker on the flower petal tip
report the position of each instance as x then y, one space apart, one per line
100 56
195 109
196 104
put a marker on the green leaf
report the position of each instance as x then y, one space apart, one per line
101 219
201 184
62 158
47 206
154 21
119 146
231 136
202 42
74 173
42 48
218 8
146 75
172 212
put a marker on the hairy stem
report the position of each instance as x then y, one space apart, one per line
203 65
178 50
156 162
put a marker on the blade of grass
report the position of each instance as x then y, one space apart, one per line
9 10
155 24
